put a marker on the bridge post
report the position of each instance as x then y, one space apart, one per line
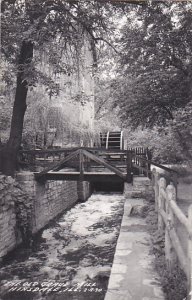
129 166
81 165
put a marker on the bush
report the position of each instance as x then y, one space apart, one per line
161 141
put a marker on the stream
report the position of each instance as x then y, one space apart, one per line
71 259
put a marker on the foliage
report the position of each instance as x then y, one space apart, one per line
154 71
152 45
182 128
150 85
56 29
161 141
48 122
34 30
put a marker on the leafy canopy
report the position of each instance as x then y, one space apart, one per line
155 66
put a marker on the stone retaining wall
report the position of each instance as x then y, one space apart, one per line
52 199
141 186
11 196
26 205
48 198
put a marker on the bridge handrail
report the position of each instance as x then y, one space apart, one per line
81 153
55 166
155 164
137 157
44 151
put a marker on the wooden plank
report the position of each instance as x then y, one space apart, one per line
103 162
180 215
163 214
63 150
57 165
129 166
78 173
48 151
170 253
75 176
113 153
179 250
163 194
161 203
107 141
81 164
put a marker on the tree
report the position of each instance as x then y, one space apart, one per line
154 86
29 26
156 64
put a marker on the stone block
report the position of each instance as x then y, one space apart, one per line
114 294
118 269
122 252
124 245
115 281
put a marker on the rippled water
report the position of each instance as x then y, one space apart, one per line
71 259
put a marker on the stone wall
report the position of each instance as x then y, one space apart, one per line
11 197
140 187
26 206
52 198
48 198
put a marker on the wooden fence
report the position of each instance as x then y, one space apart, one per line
169 216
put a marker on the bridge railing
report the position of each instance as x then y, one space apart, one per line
139 160
82 157
34 156
144 165
45 155
131 161
170 217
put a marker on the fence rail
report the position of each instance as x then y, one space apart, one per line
169 214
48 155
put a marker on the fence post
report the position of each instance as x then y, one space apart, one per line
148 156
174 179
155 180
129 166
161 203
170 254
190 254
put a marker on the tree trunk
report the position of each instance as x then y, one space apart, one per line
8 163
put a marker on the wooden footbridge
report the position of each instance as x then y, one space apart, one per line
89 164
109 163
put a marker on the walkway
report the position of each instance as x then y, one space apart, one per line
132 276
